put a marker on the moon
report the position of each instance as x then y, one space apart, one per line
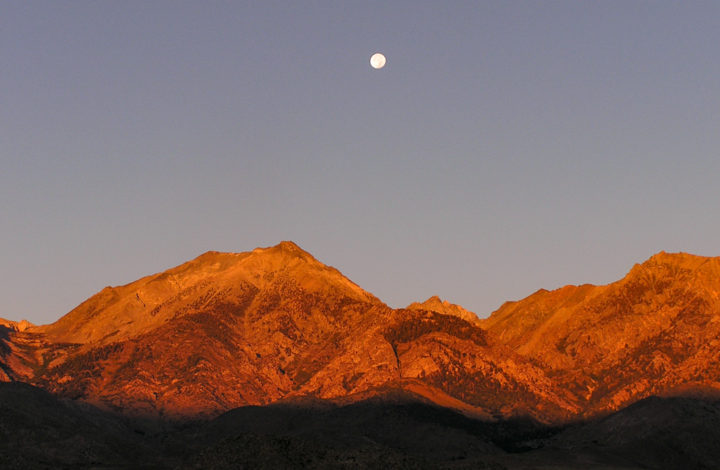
377 61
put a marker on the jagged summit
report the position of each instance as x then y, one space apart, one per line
436 304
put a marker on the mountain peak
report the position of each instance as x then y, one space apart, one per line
679 259
289 245
285 249
436 304
677 264
213 277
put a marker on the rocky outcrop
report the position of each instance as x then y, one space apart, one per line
21 325
435 304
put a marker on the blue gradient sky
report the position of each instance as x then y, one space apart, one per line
506 146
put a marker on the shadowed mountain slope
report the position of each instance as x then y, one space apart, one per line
38 430
392 429
663 433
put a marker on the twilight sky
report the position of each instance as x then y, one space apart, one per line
505 147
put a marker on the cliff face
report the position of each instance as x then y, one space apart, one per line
232 329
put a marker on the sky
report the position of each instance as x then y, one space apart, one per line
505 147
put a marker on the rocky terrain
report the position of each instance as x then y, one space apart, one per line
435 304
228 330
275 336
654 332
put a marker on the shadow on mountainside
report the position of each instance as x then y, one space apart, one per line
4 337
38 430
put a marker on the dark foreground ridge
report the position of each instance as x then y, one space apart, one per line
38 430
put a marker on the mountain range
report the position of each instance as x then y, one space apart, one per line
274 327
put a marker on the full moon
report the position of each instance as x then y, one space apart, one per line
377 61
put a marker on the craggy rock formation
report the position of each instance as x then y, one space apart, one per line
232 329
435 304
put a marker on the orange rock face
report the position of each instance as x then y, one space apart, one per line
435 304
654 332
232 329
